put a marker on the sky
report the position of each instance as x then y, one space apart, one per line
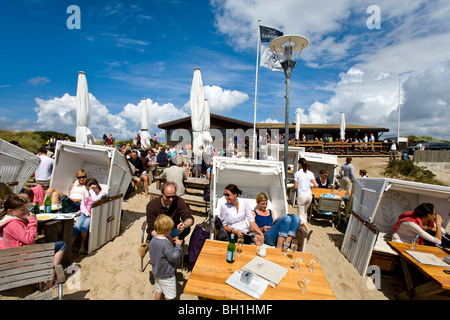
364 58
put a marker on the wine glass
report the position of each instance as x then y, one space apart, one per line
299 261
285 247
306 277
240 243
294 247
313 260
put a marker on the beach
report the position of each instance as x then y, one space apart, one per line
113 271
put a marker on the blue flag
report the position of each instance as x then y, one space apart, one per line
268 34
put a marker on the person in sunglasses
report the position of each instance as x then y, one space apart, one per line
173 206
76 192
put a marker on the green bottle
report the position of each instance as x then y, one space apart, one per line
64 205
36 210
231 249
48 204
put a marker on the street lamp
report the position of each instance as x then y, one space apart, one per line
288 49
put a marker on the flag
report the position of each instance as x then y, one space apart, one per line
269 59
268 34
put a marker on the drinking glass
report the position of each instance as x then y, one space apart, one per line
285 247
414 243
240 243
312 260
306 277
294 246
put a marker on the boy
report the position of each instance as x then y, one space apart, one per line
163 258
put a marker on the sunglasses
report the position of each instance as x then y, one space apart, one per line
82 177
169 197
227 195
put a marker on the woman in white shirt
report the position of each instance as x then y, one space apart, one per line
302 183
76 192
235 212
410 224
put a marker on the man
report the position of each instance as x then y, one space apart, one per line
393 151
43 173
138 169
176 174
162 158
173 206
347 174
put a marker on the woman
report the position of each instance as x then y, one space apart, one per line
284 229
76 192
302 183
234 212
410 224
92 193
323 181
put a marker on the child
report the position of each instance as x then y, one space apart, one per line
19 228
94 193
163 257
363 173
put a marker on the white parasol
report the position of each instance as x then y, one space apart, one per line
83 134
145 136
342 127
200 118
297 125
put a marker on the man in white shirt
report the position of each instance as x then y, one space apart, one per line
43 172
393 151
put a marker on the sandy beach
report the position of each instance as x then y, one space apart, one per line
113 271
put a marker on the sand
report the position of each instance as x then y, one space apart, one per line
113 271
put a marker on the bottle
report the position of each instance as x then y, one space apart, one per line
64 205
231 249
37 209
48 204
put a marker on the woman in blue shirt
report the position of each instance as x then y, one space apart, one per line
284 228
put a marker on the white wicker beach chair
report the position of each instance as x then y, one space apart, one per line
17 165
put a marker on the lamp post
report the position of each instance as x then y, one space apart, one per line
288 49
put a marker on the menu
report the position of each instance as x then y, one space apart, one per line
427 258
255 288
266 269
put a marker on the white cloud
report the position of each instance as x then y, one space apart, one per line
411 45
221 100
39 81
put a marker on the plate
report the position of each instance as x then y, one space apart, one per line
64 216
55 207
44 217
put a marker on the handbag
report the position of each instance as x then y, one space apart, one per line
199 235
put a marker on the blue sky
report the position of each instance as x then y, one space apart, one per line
148 49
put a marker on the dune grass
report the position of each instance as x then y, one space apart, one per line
28 140
407 170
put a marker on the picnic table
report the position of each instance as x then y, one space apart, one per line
211 270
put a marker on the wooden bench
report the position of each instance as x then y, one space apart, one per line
189 198
28 265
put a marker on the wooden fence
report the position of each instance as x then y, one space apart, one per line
432 155
344 148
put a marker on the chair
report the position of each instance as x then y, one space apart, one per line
143 248
328 208
30 264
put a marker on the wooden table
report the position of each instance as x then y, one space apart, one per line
438 280
196 183
211 270
317 192
51 233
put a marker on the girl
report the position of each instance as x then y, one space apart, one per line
19 228
94 193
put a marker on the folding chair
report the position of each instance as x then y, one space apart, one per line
328 208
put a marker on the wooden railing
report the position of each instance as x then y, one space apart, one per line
342 148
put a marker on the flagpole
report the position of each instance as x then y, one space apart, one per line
256 90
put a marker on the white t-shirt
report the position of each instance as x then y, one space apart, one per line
44 170
407 231
236 220
304 182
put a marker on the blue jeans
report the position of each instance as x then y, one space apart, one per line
82 224
285 226
60 246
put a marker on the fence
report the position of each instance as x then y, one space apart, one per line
343 148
